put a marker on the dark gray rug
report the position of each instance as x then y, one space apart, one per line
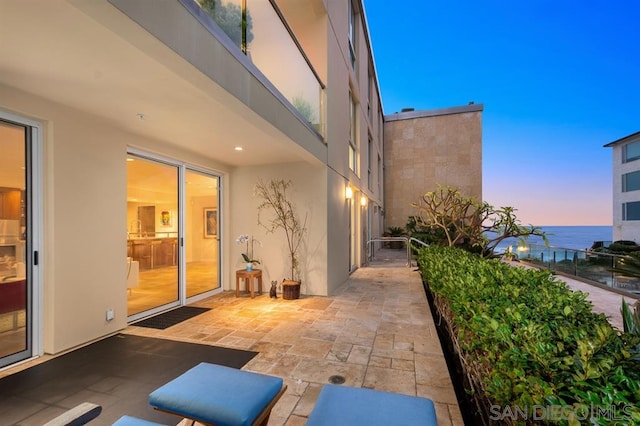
117 373
172 317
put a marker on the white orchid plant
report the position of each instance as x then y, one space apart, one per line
247 256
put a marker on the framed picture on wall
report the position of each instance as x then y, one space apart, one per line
165 218
210 222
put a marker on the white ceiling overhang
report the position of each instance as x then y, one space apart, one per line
90 56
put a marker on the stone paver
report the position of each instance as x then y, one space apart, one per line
376 331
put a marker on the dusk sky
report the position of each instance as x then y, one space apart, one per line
558 80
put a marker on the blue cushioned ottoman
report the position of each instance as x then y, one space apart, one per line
134 421
215 394
348 406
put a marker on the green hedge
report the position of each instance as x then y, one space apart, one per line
530 343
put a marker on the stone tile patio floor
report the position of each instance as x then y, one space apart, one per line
376 331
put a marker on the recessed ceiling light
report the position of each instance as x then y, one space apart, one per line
238 148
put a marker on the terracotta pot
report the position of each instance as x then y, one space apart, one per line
290 289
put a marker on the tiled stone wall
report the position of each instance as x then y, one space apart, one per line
427 148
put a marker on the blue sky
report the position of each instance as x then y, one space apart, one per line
558 80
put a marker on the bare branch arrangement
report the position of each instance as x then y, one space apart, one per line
283 216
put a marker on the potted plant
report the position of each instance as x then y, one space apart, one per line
396 231
274 198
247 256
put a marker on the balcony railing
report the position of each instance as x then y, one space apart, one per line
590 265
258 29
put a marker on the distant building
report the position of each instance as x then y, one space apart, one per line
626 187
424 149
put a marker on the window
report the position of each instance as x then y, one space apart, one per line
353 157
379 174
631 151
380 128
369 92
631 181
631 211
352 36
369 147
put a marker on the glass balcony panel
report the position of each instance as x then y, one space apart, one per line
272 49
269 45
228 15
590 265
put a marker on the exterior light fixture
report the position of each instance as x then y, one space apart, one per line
363 200
348 193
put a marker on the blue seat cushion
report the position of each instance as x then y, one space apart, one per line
134 421
348 406
216 394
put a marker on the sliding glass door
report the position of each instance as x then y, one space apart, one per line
173 243
16 280
152 236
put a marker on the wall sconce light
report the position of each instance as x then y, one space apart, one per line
348 193
363 200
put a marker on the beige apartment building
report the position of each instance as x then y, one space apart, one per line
133 133
424 149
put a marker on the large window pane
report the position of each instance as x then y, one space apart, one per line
152 243
14 280
631 211
353 157
201 228
631 181
631 151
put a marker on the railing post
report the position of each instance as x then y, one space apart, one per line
408 244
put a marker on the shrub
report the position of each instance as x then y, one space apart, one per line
619 247
528 340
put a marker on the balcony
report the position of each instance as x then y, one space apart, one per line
260 31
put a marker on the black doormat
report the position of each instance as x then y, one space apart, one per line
172 317
117 373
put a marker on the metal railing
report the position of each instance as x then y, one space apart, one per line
405 240
591 266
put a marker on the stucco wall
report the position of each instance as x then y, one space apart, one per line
424 150
308 195
84 207
84 202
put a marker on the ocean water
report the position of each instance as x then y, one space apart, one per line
572 237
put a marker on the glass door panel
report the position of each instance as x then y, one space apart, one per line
202 242
15 276
152 235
